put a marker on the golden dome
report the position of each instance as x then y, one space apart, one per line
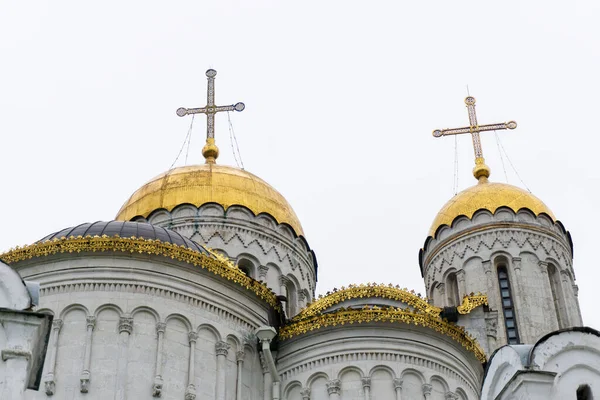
209 183
488 196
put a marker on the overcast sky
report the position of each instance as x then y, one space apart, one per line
341 98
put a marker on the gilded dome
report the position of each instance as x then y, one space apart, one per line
209 183
488 196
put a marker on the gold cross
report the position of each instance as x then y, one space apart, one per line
210 150
480 170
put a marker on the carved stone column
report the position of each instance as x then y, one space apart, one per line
125 329
301 299
547 303
267 379
221 350
50 380
239 358
576 294
462 284
366 385
427 390
398 388
305 393
190 391
84 380
441 288
283 280
333 388
158 380
262 273
491 330
569 314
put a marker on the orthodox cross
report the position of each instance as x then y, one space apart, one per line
210 150
480 168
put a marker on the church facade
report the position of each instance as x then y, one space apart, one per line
203 287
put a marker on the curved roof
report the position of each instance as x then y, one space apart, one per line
209 183
366 303
126 229
489 196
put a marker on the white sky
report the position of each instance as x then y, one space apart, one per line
341 98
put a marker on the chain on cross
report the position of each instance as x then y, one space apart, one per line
210 150
480 170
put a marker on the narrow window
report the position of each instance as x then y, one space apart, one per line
584 392
510 322
559 304
452 290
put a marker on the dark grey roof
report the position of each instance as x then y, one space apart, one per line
125 230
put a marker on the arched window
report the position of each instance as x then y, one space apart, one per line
584 392
291 295
453 297
247 267
508 309
557 296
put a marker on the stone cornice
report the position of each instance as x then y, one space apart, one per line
133 245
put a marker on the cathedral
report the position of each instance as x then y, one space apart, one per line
203 288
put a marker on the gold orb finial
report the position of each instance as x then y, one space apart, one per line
210 151
481 171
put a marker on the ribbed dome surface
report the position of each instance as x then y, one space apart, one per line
126 230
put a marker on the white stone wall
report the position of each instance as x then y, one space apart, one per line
270 252
129 327
377 362
553 369
530 247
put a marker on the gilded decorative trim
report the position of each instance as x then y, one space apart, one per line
365 290
79 244
378 314
472 302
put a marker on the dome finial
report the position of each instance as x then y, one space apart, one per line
210 150
481 172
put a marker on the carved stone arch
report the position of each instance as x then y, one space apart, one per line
184 211
301 242
412 371
220 251
504 214
286 230
72 307
235 341
462 395
502 256
350 368
526 215
248 263
46 311
211 329
211 210
452 291
482 217
442 233
159 216
461 222
267 221
149 310
382 368
289 387
441 380
316 376
239 212
249 350
183 319
108 306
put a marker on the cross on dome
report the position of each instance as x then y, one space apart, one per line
210 151
481 170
